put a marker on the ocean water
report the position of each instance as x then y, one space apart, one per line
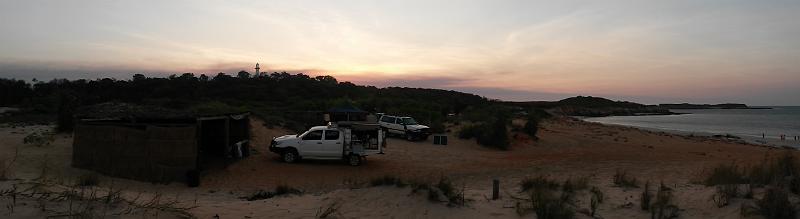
746 123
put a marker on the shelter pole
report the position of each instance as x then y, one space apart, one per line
227 135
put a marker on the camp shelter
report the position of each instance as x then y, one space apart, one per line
156 144
345 113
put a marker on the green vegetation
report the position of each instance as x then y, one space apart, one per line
292 100
489 126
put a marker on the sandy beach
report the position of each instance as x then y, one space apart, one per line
567 148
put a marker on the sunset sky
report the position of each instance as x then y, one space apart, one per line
647 51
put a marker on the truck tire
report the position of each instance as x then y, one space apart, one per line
354 160
409 136
290 156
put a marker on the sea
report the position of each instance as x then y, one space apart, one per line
761 126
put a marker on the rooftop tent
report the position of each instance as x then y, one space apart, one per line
155 144
346 113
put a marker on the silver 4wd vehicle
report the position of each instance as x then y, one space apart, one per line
404 126
352 143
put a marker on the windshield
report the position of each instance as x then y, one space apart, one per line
409 121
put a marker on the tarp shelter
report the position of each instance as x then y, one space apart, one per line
346 113
155 144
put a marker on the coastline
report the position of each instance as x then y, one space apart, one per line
738 138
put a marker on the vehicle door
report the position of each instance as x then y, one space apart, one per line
388 122
311 143
332 143
399 127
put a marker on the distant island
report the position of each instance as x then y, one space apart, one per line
588 106
708 106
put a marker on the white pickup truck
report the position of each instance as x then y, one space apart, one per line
351 143
404 126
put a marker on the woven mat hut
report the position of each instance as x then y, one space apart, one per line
157 144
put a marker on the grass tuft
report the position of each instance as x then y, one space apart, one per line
622 179
775 204
279 191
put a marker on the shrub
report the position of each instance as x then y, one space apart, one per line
535 116
622 179
469 131
775 204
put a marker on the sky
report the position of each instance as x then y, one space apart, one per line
646 51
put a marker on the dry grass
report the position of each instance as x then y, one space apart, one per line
622 179
329 210
776 204
279 191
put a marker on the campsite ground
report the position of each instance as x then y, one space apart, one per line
566 148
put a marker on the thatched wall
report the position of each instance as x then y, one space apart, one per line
149 153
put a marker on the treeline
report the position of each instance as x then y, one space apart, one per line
292 100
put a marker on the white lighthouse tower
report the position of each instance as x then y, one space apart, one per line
258 72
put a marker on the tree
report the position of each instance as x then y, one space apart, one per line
243 75
139 77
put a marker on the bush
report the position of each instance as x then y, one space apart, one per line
470 131
535 116
531 127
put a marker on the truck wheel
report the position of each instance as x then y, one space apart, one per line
290 156
409 137
354 160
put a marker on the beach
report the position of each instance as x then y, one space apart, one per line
566 148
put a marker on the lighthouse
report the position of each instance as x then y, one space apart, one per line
258 73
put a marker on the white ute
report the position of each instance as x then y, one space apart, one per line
351 143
